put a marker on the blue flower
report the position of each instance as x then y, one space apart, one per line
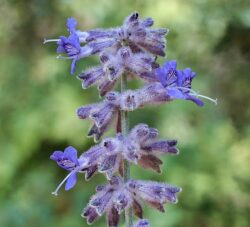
71 46
183 89
67 160
178 83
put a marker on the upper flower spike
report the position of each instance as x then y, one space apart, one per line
134 33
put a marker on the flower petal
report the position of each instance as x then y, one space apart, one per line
71 154
57 155
71 181
71 24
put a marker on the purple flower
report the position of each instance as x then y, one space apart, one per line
71 46
91 159
67 160
139 36
154 193
90 214
102 114
112 198
91 76
142 146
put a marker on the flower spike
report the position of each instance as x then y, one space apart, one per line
125 52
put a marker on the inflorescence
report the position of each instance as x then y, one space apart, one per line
130 50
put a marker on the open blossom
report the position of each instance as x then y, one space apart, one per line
115 197
71 46
178 83
86 163
134 32
67 160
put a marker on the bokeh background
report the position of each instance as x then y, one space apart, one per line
38 99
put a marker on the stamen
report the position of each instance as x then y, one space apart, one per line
206 97
50 40
63 181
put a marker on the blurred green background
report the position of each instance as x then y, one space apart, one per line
38 99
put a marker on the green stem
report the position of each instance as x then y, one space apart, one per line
126 166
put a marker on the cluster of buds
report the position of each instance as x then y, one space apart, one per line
114 65
130 50
140 147
115 197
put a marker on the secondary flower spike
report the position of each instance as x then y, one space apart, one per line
115 197
173 84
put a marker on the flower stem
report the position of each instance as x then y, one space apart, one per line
126 166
